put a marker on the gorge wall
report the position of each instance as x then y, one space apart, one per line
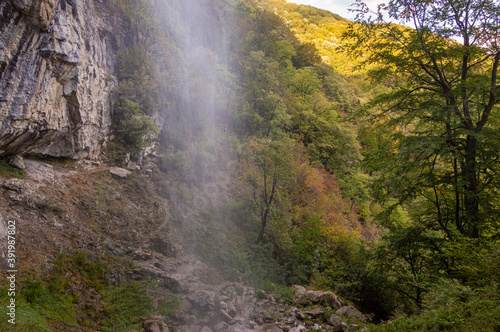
55 62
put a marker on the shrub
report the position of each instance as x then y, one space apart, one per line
32 291
135 127
127 302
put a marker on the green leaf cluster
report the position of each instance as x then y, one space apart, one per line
135 99
428 142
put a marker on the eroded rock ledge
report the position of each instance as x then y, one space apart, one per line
55 58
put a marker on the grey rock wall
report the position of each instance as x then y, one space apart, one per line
55 82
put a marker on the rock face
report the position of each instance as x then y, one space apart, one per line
55 58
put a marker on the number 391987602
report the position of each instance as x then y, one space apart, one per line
11 242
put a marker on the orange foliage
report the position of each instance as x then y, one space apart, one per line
318 195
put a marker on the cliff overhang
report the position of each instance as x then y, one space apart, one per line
55 81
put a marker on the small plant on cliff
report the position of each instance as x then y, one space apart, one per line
51 206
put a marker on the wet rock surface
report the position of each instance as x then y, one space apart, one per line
233 306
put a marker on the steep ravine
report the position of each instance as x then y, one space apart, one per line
122 223
95 242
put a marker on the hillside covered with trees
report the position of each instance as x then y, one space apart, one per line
363 158
295 147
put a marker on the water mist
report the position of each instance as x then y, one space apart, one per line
197 97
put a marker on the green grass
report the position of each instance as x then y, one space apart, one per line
129 301
476 315
35 305
9 171
59 162
280 292
43 298
26 320
92 270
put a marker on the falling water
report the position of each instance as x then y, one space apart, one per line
197 102
196 112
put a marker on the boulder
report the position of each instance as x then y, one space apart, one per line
155 323
238 328
262 316
183 318
115 251
351 312
225 316
15 185
25 192
18 162
337 324
186 328
315 313
229 308
203 300
177 283
306 297
133 166
164 246
221 327
119 172
127 159
39 171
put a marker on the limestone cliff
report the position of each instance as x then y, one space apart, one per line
55 58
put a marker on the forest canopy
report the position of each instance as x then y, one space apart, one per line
360 157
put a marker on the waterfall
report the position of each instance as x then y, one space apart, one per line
196 111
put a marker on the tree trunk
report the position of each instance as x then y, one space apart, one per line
458 221
263 223
471 195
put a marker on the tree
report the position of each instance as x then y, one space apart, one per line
329 139
136 98
442 108
307 55
263 95
268 171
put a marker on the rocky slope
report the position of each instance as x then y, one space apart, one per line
55 63
117 218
